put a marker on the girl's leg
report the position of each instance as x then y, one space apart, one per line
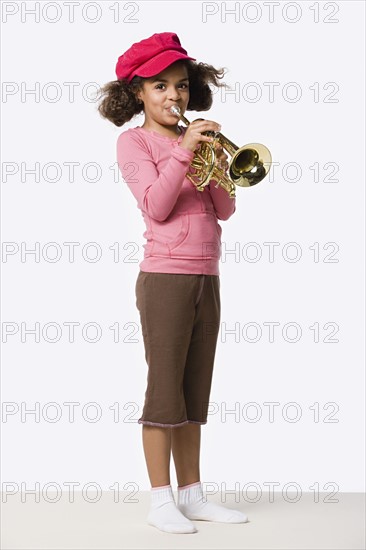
157 445
166 303
185 442
163 513
191 500
197 386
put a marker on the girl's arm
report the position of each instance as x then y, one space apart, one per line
156 193
224 205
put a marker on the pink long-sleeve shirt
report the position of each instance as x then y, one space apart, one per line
182 231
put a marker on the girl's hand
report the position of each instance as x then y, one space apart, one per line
193 134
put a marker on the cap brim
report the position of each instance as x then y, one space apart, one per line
160 62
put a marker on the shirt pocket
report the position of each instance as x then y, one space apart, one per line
167 236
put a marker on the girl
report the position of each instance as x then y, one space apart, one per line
178 286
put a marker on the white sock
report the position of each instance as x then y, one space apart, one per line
164 513
192 505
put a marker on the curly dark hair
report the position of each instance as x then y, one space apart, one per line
119 100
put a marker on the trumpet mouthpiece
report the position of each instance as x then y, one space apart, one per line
175 110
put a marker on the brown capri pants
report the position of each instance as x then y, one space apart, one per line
180 318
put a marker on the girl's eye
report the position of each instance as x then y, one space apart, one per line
158 86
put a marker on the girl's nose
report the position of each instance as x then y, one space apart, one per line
174 95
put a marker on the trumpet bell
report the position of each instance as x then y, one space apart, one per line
250 164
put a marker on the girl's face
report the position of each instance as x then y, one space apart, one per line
170 87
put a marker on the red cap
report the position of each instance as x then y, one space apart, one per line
150 56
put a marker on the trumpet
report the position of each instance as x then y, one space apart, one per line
248 165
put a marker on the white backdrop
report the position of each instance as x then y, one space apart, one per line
287 407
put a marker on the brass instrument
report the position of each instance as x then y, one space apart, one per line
248 165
